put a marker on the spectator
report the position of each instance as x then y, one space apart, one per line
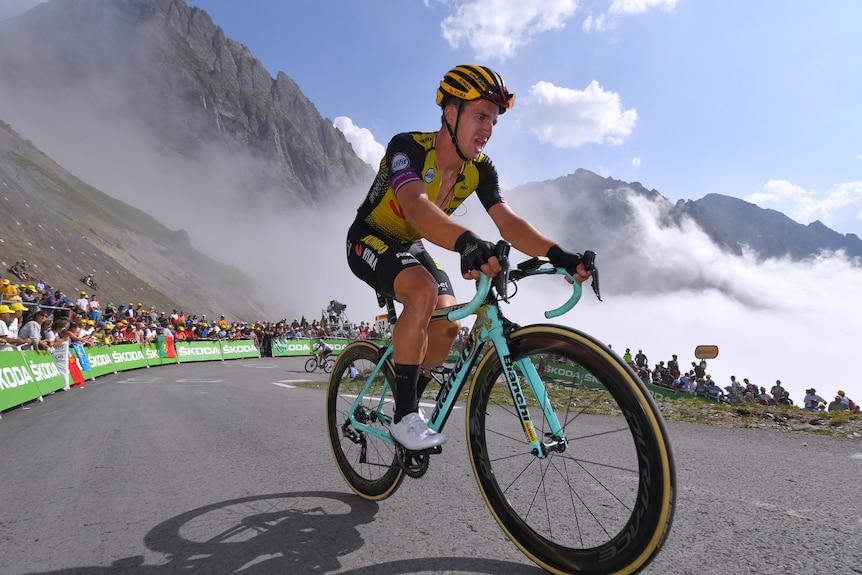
851 405
32 330
95 308
16 320
10 292
673 368
55 332
29 295
764 398
838 404
713 389
18 270
641 359
777 391
82 305
5 314
812 401
627 356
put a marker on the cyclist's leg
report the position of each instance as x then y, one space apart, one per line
441 333
388 266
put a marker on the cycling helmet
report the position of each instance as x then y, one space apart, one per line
471 82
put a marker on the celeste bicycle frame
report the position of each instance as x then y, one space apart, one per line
489 328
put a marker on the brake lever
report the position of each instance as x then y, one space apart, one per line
589 261
501 280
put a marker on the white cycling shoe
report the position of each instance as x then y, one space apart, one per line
413 433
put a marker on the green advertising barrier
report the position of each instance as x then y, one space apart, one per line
239 349
155 357
294 347
188 351
128 356
25 376
100 362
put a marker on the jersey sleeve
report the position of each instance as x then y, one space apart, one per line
489 184
405 159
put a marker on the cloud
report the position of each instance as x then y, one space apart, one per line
773 319
366 147
636 161
632 7
569 118
496 29
807 206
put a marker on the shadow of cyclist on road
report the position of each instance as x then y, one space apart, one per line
302 532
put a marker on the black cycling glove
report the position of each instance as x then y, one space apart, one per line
474 251
560 258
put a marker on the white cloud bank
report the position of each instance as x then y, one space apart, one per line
497 29
569 118
366 147
807 205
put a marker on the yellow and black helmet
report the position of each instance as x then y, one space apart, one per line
471 82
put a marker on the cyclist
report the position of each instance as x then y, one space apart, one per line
423 178
325 350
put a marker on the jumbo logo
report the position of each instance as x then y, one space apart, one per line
375 244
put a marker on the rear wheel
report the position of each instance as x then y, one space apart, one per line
368 463
604 502
327 365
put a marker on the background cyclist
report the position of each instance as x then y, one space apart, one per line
422 179
325 351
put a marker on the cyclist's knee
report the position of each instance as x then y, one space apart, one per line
416 289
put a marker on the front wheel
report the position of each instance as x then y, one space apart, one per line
366 460
602 502
311 364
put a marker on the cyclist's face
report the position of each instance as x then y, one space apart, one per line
478 119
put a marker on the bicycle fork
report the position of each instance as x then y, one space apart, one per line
554 440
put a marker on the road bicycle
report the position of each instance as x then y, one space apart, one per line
316 361
567 446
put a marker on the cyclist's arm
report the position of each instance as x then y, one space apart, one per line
427 219
518 231
523 236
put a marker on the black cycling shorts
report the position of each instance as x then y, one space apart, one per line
377 259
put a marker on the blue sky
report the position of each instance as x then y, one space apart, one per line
757 100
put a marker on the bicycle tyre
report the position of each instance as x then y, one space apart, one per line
606 503
311 364
369 465
327 366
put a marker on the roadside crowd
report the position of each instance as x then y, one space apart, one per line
698 382
35 315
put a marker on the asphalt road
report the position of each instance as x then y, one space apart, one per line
225 468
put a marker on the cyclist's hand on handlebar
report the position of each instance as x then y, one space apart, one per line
476 255
573 263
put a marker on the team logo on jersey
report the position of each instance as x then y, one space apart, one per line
400 161
396 209
429 176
